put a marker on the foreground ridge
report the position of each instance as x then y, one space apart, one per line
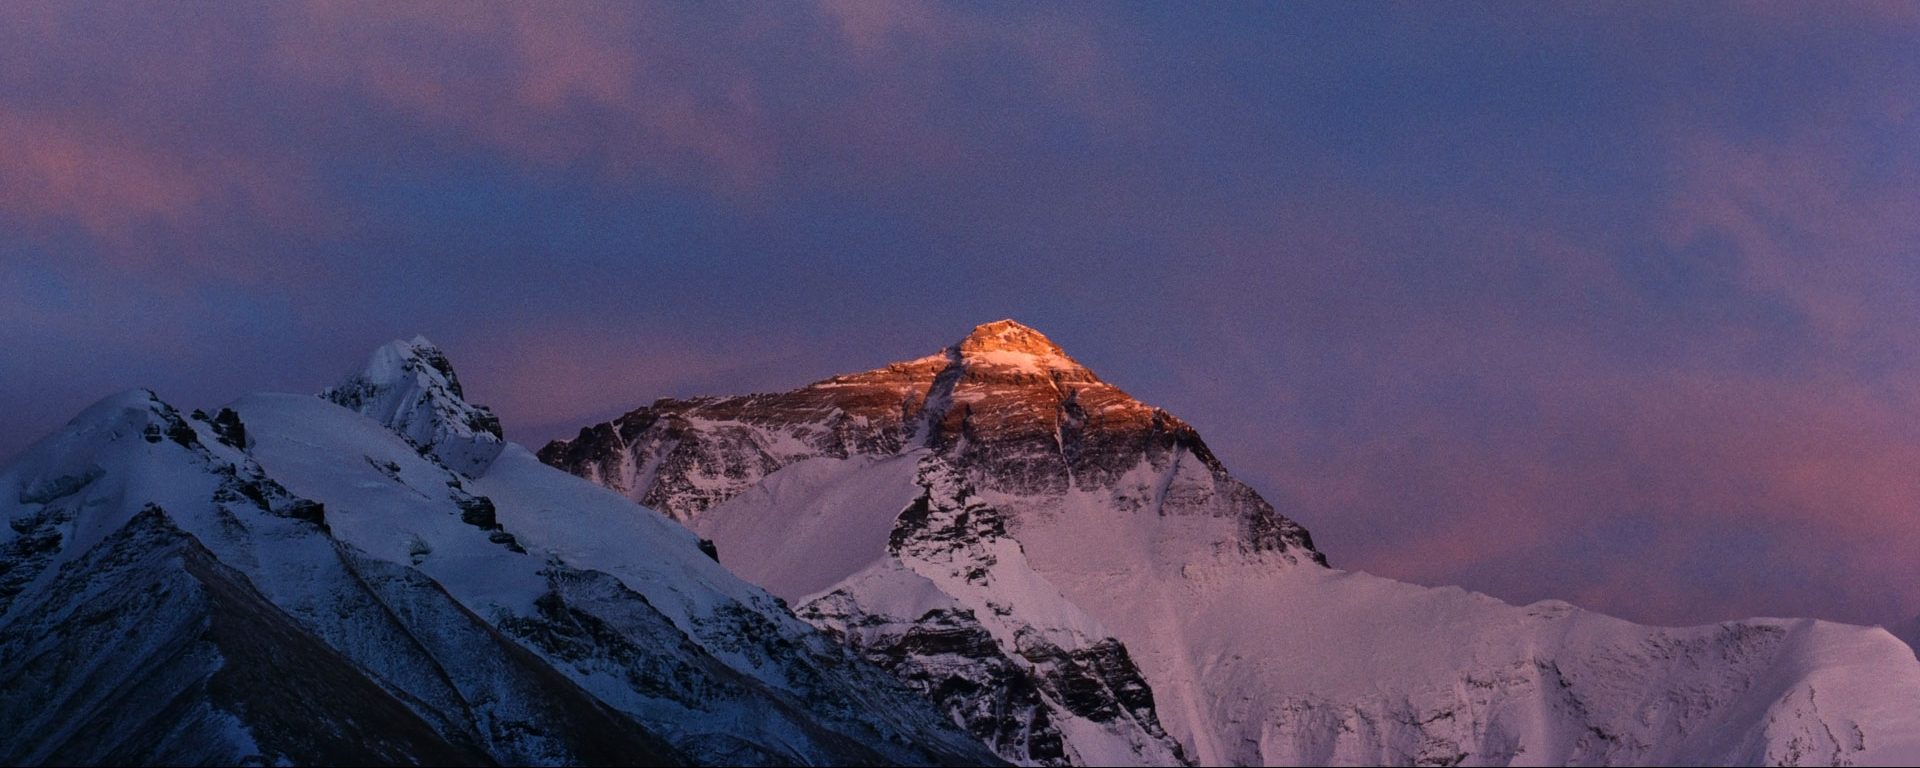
291 581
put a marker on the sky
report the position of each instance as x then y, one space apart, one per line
1616 303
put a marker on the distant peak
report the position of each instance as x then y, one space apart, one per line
410 387
402 360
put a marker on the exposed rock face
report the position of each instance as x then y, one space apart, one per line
1075 579
1005 405
1010 681
291 582
947 656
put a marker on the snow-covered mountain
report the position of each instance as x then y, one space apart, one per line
377 577
1076 579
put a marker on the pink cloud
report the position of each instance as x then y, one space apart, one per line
647 89
553 85
1065 49
51 166
901 55
1811 222
1822 468
58 169
618 92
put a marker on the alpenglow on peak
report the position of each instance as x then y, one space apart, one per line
1011 336
1011 344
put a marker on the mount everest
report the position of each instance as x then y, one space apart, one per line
1076 579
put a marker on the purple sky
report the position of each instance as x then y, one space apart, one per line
1617 303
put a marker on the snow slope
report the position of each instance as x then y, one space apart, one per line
318 584
824 526
1072 576
1321 666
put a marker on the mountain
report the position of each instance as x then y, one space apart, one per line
376 577
1076 579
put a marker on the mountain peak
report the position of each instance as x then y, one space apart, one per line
400 360
410 386
1007 343
1008 334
